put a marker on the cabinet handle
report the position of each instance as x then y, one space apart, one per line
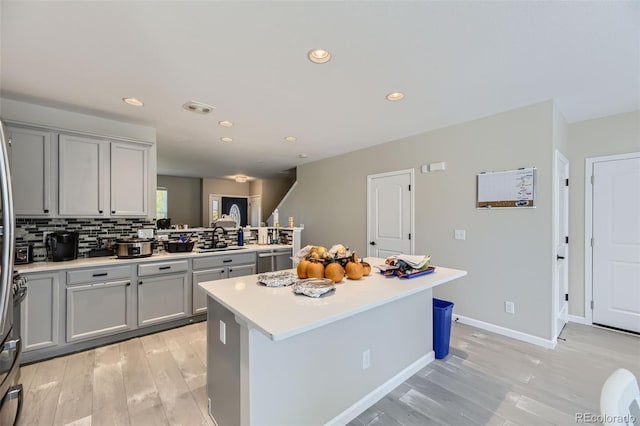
230 270
140 282
128 284
164 267
100 211
227 260
113 212
46 210
102 274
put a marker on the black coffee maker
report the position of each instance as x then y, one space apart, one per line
62 245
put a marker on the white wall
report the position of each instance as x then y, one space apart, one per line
617 134
507 252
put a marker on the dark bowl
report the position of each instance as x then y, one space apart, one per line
178 246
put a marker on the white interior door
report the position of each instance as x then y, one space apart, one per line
616 243
561 241
390 213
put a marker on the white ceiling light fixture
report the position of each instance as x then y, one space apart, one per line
241 179
198 107
319 56
226 139
395 96
225 123
133 102
302 155
290 139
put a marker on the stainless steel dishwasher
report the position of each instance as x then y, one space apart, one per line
274 260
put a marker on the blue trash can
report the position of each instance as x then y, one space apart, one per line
442 311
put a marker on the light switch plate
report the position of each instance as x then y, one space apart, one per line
460 234
145 233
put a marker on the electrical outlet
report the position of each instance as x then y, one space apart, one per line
509 307
459 234
223 333
366 359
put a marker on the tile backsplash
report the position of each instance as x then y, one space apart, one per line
32 231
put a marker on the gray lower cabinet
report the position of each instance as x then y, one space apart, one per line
40 313
217 268
98 309
164 297
199 297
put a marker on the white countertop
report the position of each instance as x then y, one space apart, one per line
280 314
114 261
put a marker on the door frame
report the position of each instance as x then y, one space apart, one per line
557 158
588 227
412 200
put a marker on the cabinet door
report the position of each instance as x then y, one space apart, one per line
162 299
98 309
31 171
129 179
199 296
40 313
83 173
242 270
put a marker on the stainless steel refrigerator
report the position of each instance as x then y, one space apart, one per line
10 343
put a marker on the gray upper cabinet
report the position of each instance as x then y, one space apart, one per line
40 315
31 171
83 176
129 179
102 178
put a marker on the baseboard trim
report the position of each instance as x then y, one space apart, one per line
577 319
518 335
381 391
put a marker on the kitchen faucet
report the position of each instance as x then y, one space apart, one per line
214 241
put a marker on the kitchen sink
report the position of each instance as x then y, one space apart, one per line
209 250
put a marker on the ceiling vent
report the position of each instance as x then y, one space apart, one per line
198 107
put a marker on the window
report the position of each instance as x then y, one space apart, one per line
161 203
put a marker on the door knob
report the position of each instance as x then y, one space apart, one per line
372 243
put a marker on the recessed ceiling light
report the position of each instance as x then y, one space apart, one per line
226 139
302 155
198 107
133 101
241 179
290 139
395 96
225 123
319 56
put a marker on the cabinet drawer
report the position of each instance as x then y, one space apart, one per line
98 274
224 260
162 268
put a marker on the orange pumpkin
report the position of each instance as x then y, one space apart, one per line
302 268
354 270
334 271
315 270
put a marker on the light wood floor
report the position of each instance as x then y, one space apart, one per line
486 379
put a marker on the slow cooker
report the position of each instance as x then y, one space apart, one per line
129 248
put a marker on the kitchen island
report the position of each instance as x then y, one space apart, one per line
274 358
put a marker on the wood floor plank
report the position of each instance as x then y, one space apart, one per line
26 376
76 396
143 400
44 391
109 401
486 379
179 404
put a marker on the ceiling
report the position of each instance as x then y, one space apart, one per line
455 61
